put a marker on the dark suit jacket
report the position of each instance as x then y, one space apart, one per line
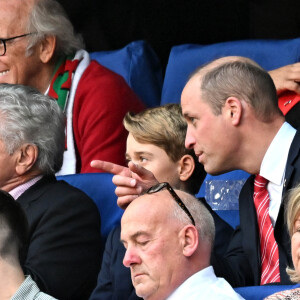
64 250
114 281
241 265
223 230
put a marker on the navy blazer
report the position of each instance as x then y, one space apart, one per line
242 264
114 281
64 251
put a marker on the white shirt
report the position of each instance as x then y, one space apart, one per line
273 167
205 285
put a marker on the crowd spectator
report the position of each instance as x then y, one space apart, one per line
293 225
168 238
13 239
39 48
64 252
286 80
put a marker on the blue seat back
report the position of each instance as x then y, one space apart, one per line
231 216
99 187
184 59
138 64
260 292
222 194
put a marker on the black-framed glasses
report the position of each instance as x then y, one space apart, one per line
158 187
3 41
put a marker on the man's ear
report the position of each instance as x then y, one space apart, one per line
189 240
26 158
47 48
233 110
186 167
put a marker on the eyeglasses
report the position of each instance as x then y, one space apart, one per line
158 187
3 42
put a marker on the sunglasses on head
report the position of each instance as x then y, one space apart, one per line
158 187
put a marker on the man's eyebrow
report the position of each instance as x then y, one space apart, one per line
189 115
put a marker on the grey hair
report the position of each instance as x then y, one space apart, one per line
47 18
203 219
27 116
244 79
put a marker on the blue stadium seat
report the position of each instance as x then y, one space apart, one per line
260 292
99 187
184 59
222 192
139 66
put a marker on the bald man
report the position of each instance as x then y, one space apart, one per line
168 247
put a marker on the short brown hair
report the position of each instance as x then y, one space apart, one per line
165 127
243 78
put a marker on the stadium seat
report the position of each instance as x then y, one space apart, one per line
139 66
184 59
260 292
222 193
99 187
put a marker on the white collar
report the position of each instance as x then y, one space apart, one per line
274 161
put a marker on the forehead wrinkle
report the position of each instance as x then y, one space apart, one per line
143 210
17 14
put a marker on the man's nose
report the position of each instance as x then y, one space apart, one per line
131 257
189 139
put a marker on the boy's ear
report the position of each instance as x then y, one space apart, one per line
186 167
26 158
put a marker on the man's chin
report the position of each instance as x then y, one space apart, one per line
141 290
212 171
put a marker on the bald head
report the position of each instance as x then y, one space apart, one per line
156 232
161 207
155 207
